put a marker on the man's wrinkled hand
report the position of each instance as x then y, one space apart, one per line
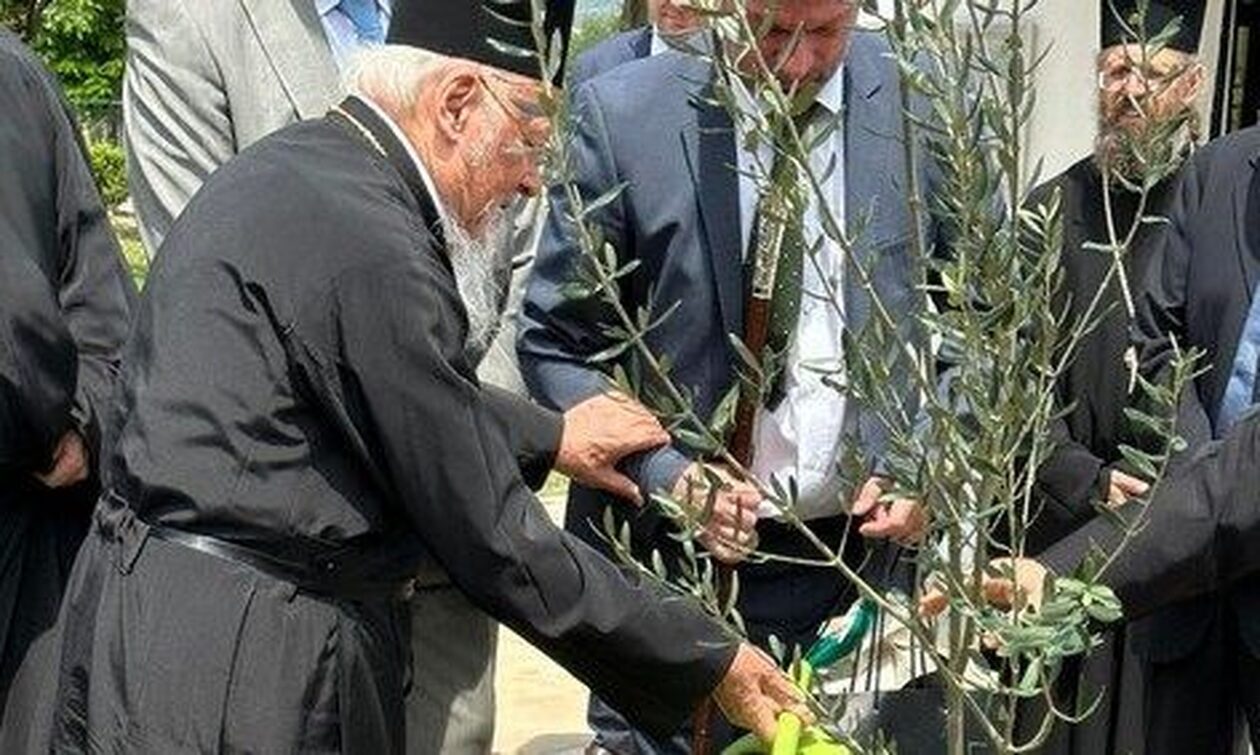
726 507
1123 487
754 692
599 433
1008 582
902 520
70 462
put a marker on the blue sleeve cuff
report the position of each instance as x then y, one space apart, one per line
658 470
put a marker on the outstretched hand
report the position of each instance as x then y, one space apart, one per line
754 692
1007 583
902 520
599 433
728 528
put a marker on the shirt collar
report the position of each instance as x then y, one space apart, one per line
659 45
324 7
429 186
830 96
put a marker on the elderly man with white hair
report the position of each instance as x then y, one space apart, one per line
300 431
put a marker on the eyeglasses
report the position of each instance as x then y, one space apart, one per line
520 113
1152 79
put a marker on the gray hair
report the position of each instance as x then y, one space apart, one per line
391 75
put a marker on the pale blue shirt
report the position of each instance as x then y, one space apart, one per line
343 39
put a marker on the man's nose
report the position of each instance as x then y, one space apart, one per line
1135 85
798 65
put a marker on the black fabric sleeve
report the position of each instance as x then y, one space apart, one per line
1201 530
533 432
95 291
1068 481
1161 310
453 471
37 366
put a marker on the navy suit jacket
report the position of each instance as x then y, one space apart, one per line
1200 290
611 53
649 124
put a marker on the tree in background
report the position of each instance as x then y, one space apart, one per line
81 41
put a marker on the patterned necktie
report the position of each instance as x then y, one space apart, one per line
785 302
366 18
1240 391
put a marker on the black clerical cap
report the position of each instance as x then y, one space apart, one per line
498 33
1121 22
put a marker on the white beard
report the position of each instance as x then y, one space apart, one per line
476 263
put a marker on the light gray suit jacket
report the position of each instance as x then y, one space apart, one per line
204 80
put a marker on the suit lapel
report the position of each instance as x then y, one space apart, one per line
870 176
641 44
870 113
293 39
713 165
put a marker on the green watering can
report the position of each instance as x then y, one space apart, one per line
791 738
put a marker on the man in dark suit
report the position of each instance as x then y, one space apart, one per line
686 217
1201 292
672 26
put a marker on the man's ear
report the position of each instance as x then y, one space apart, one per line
458 93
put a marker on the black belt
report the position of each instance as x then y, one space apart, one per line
325 574
335 571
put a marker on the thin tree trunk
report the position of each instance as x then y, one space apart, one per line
34 10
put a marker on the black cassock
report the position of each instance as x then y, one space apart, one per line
65 303
1096 385
296 385
1201 530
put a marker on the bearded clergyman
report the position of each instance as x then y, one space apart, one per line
301 431
1149 79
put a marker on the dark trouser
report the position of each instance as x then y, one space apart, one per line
1204 703
787 601
40 533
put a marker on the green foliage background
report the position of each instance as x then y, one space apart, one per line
82 42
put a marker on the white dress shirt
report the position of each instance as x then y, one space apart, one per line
343 38
801 438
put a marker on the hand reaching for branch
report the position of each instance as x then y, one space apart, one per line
70 462
1122 487
1018 582
730 528
599 433
902 520
754 692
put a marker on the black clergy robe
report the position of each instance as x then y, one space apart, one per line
1073 480
65 303
1096 384
1201 531
297 380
